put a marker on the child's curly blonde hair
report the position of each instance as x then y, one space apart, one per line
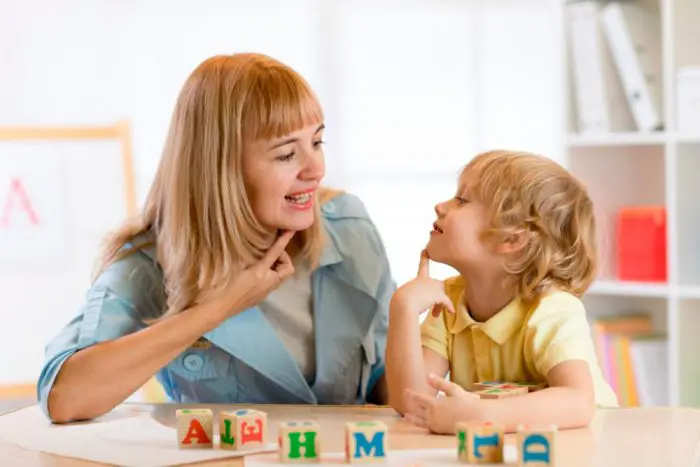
531 195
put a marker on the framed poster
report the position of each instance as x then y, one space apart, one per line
61 191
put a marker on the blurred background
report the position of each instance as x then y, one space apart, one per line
412 89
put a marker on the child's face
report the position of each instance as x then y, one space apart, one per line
455 238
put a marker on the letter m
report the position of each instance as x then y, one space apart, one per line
376 444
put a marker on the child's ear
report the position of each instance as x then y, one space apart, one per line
513 243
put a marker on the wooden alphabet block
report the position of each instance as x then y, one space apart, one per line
532 387
480 386
502 392
241 429
299 442
479 443
366 442
195 428
536 447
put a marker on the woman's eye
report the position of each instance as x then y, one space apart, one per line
286 157
317 144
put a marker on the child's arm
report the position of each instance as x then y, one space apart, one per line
558 345
568 402
407 361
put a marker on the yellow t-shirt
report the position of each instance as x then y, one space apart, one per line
516 344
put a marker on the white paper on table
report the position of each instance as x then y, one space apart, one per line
395 458
120 438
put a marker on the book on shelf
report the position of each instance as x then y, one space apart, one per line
615 64
633 358
599 98
633 32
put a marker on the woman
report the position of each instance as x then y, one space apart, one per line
242 281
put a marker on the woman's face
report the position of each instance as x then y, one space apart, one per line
282 176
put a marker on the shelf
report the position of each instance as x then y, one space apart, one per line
616 139
687 138
689 292
629 289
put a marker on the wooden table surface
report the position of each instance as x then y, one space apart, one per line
658 437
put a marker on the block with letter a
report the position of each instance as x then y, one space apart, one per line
195 428
366 442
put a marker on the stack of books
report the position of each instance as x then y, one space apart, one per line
634 359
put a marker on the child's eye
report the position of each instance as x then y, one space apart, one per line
460 200
286 157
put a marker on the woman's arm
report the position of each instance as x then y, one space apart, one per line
568 402
96 379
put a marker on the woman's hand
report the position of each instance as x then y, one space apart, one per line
254 283
441 414
423 292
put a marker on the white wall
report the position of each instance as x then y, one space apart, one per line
412 89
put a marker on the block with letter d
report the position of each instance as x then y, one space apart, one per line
536 447
366 442
241 429
299 442
195 428
479 443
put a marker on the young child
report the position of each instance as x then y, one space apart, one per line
521 233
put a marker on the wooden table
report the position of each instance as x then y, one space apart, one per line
662 437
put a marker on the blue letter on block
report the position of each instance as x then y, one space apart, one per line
479 441
377 444
535 456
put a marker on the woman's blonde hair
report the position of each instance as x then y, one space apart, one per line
197 209
532 197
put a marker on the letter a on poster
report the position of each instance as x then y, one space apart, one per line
31 207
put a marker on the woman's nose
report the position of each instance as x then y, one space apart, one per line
314 167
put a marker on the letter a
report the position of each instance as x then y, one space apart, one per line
196 430
17 192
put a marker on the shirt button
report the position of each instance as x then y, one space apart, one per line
193 362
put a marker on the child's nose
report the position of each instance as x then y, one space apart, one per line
440 209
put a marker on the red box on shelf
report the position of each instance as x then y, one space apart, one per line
641 244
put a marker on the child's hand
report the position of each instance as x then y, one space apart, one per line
441 414
423 292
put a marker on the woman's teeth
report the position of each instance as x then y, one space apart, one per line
299 199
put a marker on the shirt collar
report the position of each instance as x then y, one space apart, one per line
500 327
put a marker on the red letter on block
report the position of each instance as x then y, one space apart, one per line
196 430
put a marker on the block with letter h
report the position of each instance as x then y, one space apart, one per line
365 442
479 443
536 447
195 428
241 429
299 442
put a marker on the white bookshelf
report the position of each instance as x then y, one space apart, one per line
661 168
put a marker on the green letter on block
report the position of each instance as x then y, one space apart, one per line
309 445
226 437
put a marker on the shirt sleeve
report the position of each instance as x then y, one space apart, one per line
433 334
558 331
386 289
114 306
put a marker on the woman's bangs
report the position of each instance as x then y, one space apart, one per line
281 104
